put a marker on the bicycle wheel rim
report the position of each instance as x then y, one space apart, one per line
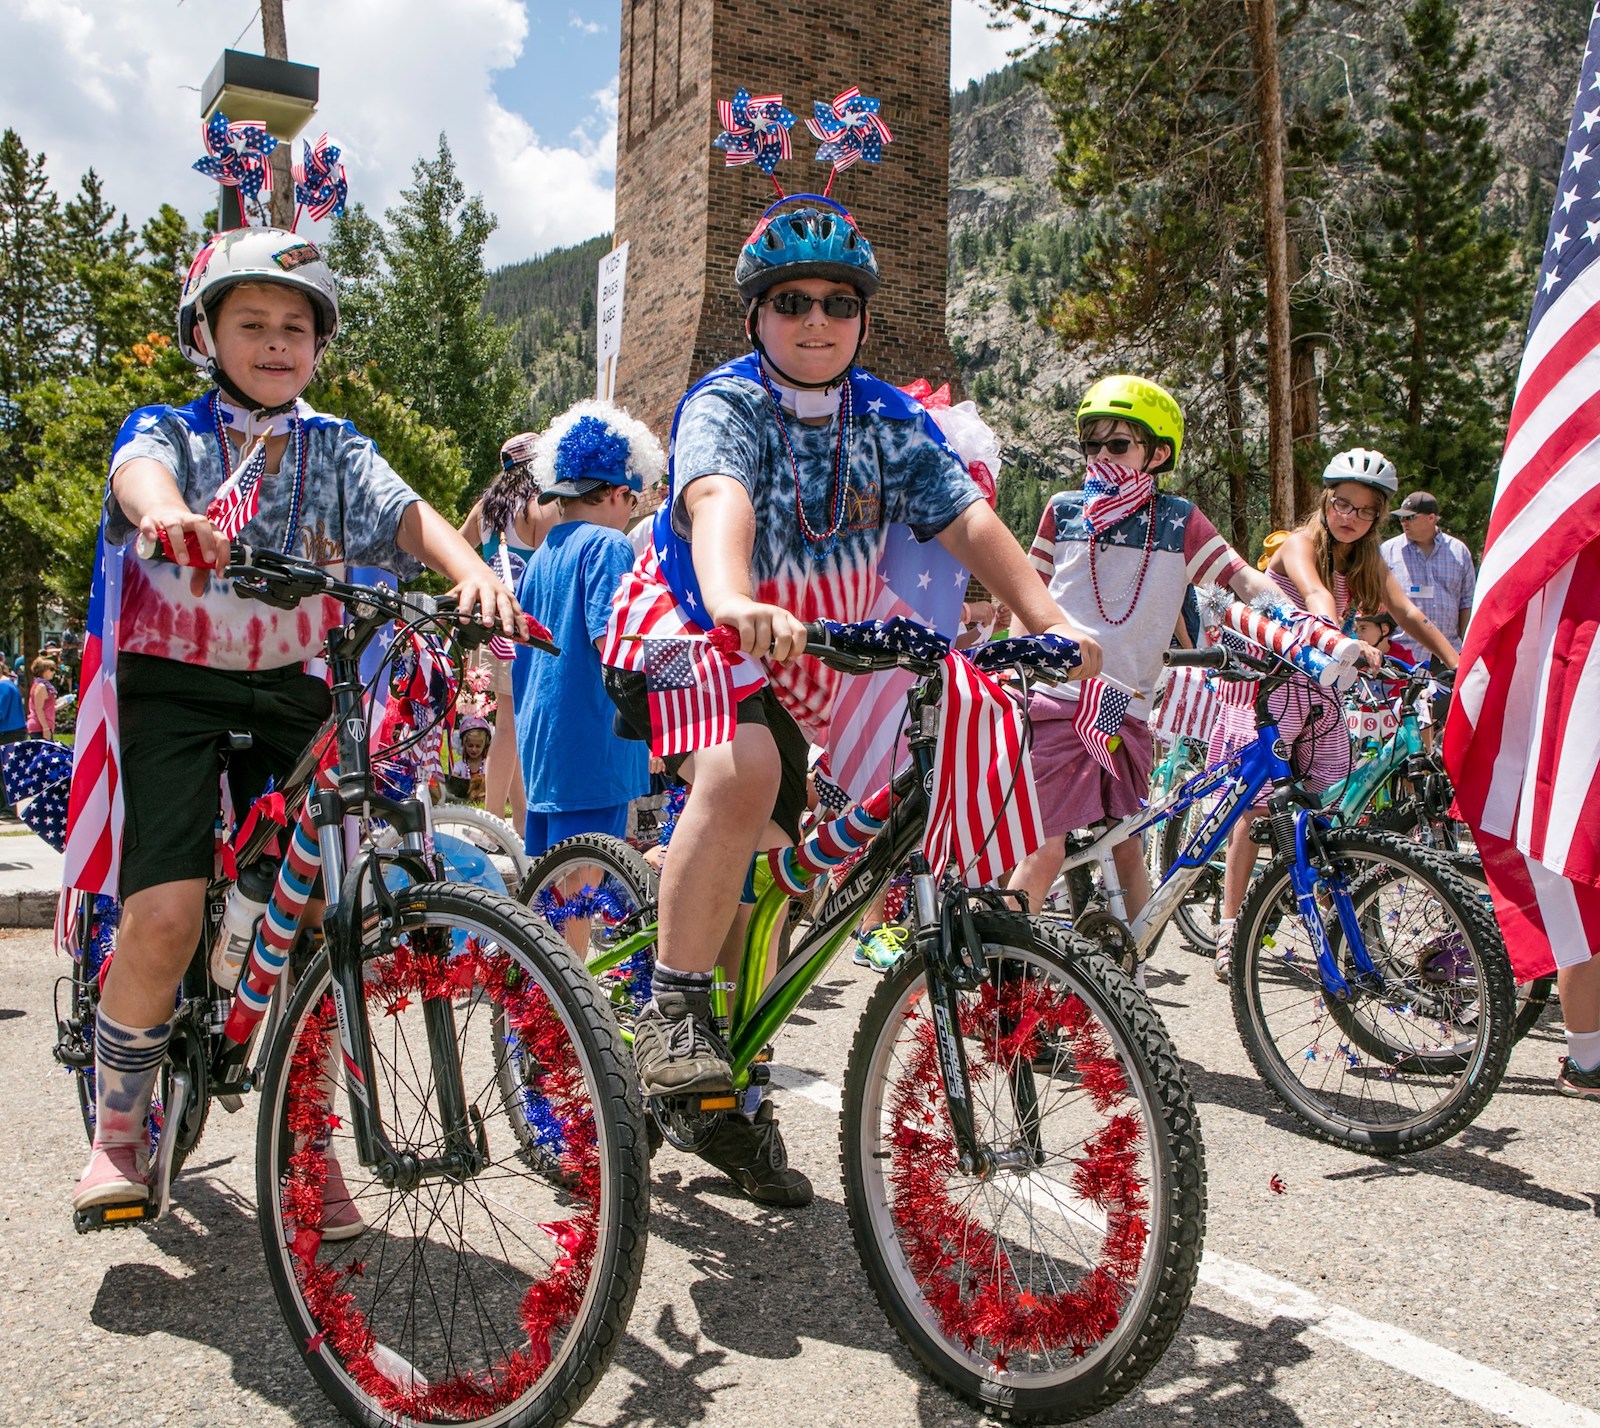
517 1254
1396 1069
1062 1315
490 835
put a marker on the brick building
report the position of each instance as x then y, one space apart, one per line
685 216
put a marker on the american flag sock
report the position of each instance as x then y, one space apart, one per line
126 1060
674 992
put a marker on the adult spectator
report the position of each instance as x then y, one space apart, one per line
1434 569
41 720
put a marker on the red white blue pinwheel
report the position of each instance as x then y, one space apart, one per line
236 156
319 182
755 130
849 129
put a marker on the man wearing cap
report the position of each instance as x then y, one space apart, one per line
1433 568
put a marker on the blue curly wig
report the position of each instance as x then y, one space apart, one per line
592 449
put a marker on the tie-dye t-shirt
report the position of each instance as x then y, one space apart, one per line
901 471
349 514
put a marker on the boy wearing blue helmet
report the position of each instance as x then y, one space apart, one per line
787 467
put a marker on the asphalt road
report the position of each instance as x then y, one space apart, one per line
1456 1287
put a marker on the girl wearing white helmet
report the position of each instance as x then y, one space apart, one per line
184 661
1331 566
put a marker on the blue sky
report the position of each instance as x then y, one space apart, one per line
525 90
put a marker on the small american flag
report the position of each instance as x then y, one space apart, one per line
1101 709
984 812
690 692
1521 740
236 503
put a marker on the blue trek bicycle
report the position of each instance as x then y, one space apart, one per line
1370 985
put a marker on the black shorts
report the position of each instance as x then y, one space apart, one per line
173 720
627 690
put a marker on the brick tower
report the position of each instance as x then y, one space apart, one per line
685 216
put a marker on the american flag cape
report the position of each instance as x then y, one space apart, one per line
983 813
1522 743
855 718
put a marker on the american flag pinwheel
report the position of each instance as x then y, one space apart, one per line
849 129
236 156
319 181
755 130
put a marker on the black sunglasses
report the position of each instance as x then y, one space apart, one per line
1117 445
797 304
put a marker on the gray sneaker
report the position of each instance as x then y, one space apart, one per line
751 1154
677 1053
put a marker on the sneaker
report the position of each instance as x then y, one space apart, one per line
1224 964
678 1055
115 1175
341 1218
751 1154
1583 1084
883 949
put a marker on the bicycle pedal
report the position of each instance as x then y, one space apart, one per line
723 1101
112 1217
230 1103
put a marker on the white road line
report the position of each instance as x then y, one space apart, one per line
1388 1344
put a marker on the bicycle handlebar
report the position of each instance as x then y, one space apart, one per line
1212 657
900 643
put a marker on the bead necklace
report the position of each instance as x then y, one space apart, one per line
297 433
819 546
1144 567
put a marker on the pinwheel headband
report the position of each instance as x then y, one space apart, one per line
238 155
755 130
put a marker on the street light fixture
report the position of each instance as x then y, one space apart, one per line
277 94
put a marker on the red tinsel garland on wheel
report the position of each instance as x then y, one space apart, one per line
548 1304
966 1275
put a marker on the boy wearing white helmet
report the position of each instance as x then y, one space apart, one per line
247 460
1329 565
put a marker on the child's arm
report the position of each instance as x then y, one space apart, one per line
1299 559
150 500
1415 623
724 537
980 541
427 536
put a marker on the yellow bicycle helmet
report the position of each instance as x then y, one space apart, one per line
1128 398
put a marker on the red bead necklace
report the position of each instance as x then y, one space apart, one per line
1144 568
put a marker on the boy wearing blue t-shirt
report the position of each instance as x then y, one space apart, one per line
596 461
191 662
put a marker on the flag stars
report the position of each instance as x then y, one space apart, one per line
1559 240
1551 278
924 580
875 406
1591 117
1580 156
1591 230
1568 198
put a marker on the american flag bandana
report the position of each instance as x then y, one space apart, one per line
689 688
984 813
1101 709
1112 493
239 497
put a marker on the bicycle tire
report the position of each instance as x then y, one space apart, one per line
586 888
495 836
1110 1313
386 1319
1456 1058
1197 915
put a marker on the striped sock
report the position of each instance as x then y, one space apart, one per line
126 1061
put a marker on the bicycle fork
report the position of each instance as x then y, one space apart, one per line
1305 877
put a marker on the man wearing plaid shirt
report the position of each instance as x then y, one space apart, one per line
1433 568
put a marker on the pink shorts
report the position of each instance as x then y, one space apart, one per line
1074 791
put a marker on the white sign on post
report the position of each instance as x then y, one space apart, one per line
608 317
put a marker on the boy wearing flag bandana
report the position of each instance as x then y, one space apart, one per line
182 661
1119 557
787 468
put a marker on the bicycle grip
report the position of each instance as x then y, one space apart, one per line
1213 657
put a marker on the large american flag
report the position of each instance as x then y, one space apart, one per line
984 811
1522 742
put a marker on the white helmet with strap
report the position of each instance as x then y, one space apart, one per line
1370 468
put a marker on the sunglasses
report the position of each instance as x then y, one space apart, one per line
797 304
1117 446
1347 508
1404 516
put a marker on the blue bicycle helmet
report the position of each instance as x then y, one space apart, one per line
809 242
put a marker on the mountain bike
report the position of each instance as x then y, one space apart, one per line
470 1284
1021 1157
1370 985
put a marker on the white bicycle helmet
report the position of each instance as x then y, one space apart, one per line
253 255
1370 468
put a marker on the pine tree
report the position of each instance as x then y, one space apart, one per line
1440 294
108 292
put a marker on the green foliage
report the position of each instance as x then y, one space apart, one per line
1425 383
416 289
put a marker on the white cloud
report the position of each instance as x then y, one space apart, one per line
589 27
113 84
977 50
